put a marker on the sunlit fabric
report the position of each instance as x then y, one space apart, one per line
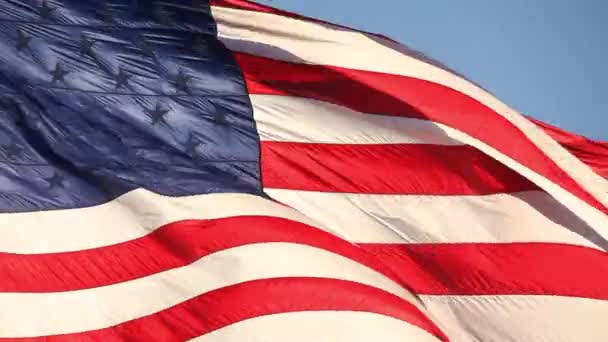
190 171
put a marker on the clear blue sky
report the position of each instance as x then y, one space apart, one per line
546 58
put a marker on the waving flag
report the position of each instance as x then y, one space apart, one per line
177 170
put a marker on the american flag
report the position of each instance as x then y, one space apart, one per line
182 170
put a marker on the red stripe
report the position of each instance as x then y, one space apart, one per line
386 169
593 153
173 245
387 94
470 269
498 269
229 305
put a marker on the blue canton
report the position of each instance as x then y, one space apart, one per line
100 98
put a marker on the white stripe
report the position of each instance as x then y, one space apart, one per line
595 222
296 119
519 217
320 326
128 217
519 318
38 314
321 122
494 218
592 216
305 42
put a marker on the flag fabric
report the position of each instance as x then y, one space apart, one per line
592 153
182 170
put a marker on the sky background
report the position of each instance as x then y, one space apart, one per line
545 58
